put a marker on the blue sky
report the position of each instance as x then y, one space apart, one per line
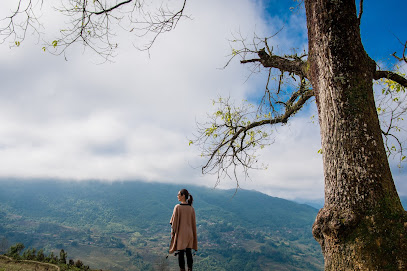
132 119
382 22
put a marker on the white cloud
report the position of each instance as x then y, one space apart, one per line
131 119
121 120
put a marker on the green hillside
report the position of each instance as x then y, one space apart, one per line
125 226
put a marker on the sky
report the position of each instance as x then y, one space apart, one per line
132 118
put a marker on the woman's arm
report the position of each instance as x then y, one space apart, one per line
174 220
195 244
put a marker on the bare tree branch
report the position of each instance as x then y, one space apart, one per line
233 134
293 66
93 23
16 27
392 76
404 56
360 11
392 108
112 8
233 140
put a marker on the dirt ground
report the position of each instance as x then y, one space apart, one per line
7 264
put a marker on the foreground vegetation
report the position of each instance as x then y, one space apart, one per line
31 259
9 264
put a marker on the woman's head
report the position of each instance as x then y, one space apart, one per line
184 193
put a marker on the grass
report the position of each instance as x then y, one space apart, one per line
7 264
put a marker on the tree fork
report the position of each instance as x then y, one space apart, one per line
363 225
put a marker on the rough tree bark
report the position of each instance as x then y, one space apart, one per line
362 225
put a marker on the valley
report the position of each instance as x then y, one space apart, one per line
125 225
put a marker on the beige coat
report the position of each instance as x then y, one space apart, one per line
183 228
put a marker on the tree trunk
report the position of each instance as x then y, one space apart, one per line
363 225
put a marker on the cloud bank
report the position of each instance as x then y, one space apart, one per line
131 119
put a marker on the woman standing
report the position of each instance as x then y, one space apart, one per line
183 229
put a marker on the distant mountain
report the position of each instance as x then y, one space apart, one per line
316 203
125 225
319 203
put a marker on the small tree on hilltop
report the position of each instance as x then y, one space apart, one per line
62 256
15 250
79 263
40 255
30 254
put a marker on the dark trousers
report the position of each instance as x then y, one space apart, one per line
181 260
